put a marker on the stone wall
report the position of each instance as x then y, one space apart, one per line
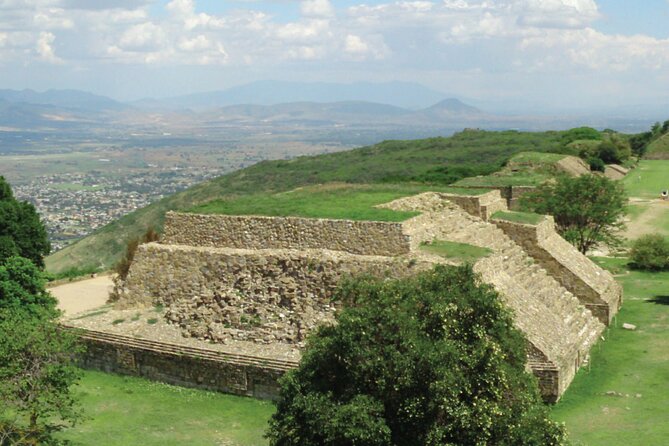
256 232
183 366
594 287
482 206
256 295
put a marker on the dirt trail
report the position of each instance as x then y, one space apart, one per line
83 295
647 221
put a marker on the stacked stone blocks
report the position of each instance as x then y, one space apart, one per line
272 279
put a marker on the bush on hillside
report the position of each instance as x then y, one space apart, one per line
650 252
430 360
596 164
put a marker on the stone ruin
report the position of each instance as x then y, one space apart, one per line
271 280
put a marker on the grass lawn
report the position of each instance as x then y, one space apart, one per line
536 157
649 179
132 411
338 201
504 180
633 364
455 250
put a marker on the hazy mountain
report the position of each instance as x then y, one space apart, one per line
71 99
452 106
399 94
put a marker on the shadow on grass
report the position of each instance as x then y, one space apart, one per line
660 300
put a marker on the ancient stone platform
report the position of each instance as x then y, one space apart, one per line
271 280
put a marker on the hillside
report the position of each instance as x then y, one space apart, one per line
432 161
658 149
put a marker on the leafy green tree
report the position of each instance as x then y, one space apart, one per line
22 288
588 210
650 252
580 133
20 223
36 378
432 360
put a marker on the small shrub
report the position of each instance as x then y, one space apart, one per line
596 164
118 321
152 321
650 252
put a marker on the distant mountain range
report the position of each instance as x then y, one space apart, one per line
392 109
400 94
72 99
253 104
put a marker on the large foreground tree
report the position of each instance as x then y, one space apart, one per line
588 210
36 359
433 360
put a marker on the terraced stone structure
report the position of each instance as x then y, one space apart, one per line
271 280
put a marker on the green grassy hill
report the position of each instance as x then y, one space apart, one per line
659 149
429 161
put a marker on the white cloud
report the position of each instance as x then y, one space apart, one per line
558 13
144 37
394 38
198 43
45 50
317 8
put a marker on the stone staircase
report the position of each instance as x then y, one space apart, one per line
559 329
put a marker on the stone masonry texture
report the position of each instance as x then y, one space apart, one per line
272 280
256 232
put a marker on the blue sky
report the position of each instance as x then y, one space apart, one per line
551 54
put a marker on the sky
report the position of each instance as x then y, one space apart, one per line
555 54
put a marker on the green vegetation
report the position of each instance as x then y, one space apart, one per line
21 230
650 252
534 158
588 210
653 143
648 180
659 148
621 398
125 411
36 376
522 169
22 289
527 218
430 161
337 201
429 360
453 250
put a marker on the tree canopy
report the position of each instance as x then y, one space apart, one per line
36 375
588 210
432 360
21 230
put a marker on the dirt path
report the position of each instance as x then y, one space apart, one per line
647 221
83 295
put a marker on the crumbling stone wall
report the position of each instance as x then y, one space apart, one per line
257 295
256 232
595 287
